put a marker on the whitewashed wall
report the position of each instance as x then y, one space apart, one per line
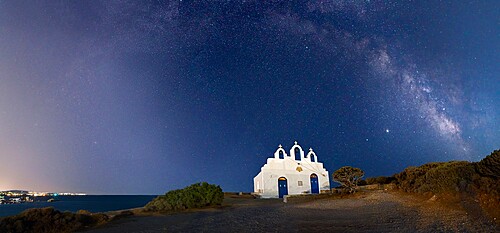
266 182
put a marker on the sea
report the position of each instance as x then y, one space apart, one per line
92 203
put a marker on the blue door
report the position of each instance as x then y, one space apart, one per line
282 187
314 184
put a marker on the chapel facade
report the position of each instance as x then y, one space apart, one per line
293 173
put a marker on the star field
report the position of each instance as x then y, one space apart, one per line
125 97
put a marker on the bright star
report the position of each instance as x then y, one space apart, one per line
387 130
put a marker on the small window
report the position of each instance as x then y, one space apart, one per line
300 183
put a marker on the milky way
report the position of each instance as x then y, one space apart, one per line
142 97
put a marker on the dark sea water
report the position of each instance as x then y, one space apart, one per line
92 203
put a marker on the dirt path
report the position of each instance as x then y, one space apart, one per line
371 212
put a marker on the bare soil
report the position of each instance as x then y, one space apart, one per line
374 211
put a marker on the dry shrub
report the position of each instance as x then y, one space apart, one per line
436 177
480 181
490 166
50 220
380 180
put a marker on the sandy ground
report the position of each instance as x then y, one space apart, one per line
376 211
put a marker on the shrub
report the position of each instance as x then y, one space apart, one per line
194 196
123 214
50 220
362 183
436 177
480 180
490 166
380 180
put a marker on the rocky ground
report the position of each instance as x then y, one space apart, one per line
375 211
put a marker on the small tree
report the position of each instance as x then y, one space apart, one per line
348 177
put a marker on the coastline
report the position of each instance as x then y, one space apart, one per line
365 211
91 203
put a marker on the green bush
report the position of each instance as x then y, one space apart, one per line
51 220
194 196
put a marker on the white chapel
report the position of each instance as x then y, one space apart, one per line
293 173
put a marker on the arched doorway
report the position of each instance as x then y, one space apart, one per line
282 187
314 183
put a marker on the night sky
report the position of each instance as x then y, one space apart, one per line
140 97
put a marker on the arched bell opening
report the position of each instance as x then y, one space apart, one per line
281 155
297 154
312 156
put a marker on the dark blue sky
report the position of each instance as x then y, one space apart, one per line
126 97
